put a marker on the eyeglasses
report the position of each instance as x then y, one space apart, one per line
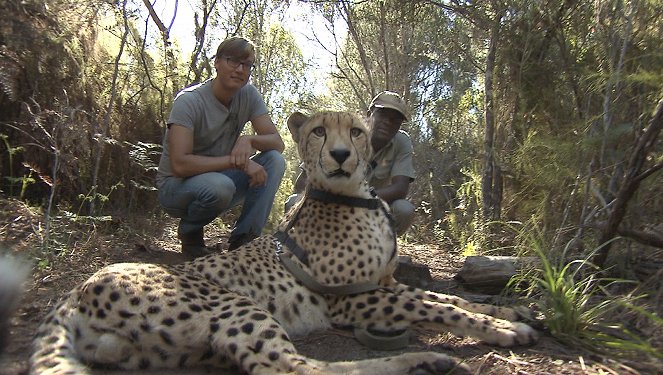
234 63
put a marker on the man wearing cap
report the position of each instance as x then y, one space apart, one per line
393 170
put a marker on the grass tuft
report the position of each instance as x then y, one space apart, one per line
576 303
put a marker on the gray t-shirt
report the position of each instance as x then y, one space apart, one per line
215 126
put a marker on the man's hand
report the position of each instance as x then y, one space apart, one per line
241 152
257 174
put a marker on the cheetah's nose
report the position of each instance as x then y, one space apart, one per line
340 155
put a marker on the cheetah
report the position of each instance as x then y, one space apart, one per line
330 263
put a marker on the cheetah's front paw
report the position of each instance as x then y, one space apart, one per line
514 334
437 363
525 335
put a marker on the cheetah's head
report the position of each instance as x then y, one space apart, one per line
335 148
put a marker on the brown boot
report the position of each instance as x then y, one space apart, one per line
193 244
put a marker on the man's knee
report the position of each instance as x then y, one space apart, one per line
223 194
273 162
403 212
206 194
214 191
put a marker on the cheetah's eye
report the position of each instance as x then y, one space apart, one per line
355 132
319 131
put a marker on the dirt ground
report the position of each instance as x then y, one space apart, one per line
87 248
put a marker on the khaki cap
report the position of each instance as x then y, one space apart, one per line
389 99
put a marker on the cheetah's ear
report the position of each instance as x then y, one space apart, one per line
295 122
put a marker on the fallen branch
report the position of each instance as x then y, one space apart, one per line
644 237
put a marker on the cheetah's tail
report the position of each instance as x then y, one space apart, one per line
54 346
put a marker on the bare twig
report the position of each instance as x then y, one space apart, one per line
109 109
630 183
165 34
200 33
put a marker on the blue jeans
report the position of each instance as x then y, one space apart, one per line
197 200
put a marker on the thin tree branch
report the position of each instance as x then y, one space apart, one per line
630 183
241 19
109 109
155 17
200 32
352 29
655 168
172 20
383 39
648 238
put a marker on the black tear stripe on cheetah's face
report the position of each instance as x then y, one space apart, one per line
241 308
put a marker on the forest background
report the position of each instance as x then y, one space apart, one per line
533 121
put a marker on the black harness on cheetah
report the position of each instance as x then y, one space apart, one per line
374 340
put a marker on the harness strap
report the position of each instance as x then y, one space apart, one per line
373 340
315 286
294 248
326 197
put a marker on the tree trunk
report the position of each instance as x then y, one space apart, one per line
354 34
491 181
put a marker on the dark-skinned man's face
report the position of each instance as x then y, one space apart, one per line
385 123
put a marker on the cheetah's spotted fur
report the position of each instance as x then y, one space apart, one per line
241 308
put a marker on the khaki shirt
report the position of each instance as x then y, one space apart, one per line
394 159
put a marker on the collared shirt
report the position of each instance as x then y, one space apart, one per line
394 159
